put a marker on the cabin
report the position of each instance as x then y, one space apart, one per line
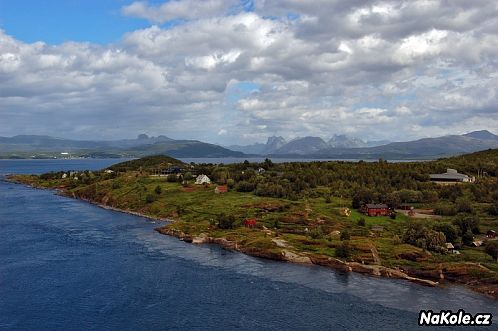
376 209
221 189
451 177
491 234
250 223
202 179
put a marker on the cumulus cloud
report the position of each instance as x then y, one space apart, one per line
179 9
375 69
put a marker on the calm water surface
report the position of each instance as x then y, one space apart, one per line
66 264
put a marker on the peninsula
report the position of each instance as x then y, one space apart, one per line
415 220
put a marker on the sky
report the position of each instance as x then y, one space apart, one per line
238 71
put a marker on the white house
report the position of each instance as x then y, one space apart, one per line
202 179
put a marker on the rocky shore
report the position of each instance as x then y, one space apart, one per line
286 254
293 257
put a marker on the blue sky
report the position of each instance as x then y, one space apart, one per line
54 22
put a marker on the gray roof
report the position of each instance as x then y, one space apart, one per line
374 206
448 175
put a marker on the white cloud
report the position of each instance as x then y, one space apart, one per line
338 67
179 9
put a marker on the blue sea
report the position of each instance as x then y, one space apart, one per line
69 265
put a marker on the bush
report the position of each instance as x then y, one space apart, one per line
171 178
344 250
244 186
361 222
491 249
445 209
116 185
150 198
463 205
345 235
317 233
493 209
158 189
225 221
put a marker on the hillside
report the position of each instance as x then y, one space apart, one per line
148 162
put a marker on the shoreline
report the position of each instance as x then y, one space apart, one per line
374 270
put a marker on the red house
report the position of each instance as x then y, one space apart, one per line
376 210
250 223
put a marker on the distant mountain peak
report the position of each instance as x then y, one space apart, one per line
344 141
482 134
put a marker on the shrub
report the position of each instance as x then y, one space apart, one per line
225 221
317 233
171 178
116 185
463 205
244 186
445 209
150 198
491 248
344 250
158 189
345 235
361 222
493 209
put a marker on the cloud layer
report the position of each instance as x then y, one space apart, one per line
374 69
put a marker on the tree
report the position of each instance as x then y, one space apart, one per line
467 223
491 249
419 235
449 230
467 238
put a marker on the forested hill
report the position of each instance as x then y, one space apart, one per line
486 161
147 163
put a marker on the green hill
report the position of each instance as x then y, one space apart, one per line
155 161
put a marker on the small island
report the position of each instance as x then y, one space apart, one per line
429 222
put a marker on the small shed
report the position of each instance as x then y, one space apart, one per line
221 189
250 222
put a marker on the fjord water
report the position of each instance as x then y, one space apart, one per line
66 264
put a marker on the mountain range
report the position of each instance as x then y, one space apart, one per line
28 146
338 146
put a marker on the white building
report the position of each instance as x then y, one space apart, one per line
202 179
